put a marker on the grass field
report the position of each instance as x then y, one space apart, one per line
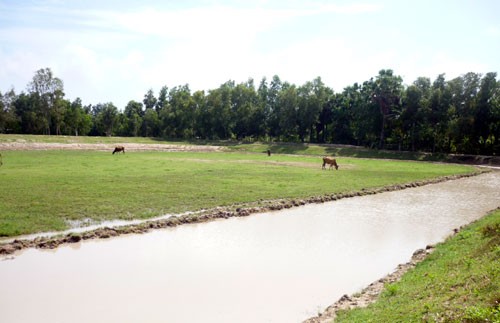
45 190
458 282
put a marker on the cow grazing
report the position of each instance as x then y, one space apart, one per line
118 149
331 162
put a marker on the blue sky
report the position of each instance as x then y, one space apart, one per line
115 51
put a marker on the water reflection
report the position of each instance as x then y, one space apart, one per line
273 267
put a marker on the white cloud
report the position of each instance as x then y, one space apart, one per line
210 21
438 63
118 55
353 8
493 31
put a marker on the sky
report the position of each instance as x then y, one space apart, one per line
116 50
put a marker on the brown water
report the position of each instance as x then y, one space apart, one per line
273 267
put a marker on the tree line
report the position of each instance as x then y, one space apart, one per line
461 115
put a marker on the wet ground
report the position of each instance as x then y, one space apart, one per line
281 266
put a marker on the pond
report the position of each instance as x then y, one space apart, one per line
282 266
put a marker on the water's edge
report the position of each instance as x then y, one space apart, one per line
371 293
54 241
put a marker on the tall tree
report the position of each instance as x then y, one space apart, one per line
162 99
387 93
245 111
218 105
149 100
484 118
464 91
107 119
415 105
436 117
364 112
340 107
263 106
272 109
203 116
47 89
288 101
77 121
151 123
356 110
58 112
31 118
181 112
325 118
495 121
313 96
133 115
306 117
9 121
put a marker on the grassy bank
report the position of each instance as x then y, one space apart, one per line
46 190
333 150
458 282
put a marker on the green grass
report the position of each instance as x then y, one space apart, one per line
458 282
43 190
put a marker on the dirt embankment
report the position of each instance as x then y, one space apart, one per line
474 160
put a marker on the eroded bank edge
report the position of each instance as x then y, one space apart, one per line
371 293
209 215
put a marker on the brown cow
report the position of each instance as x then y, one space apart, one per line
118 149
331 162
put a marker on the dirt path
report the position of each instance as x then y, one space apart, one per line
104 147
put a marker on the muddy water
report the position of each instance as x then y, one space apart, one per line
272 267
